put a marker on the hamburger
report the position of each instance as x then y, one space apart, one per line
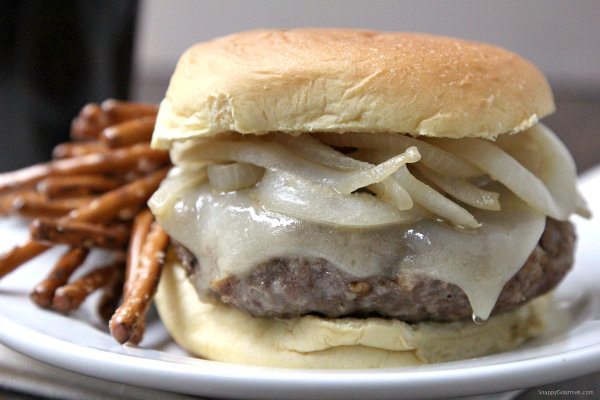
356 199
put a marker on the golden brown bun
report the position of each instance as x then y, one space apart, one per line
218 332
350 80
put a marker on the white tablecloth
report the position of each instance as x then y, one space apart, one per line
19 373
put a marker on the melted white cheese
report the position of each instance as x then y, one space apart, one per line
230 234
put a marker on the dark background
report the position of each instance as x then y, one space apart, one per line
55 57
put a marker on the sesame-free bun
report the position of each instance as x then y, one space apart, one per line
218 332
339 80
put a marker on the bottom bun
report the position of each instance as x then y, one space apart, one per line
215 331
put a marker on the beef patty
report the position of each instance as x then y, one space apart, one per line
289 287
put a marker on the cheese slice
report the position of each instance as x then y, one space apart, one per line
230 234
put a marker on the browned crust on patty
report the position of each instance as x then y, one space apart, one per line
289 287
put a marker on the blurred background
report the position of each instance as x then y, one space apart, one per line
56 56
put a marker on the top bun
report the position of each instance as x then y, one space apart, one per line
338 80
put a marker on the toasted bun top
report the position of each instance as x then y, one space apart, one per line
350 80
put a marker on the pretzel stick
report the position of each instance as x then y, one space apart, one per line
129 132
139 156
107 206
89 123
78 233
104 208
22 178
20 254
9 200
34 205
70 149
139 329
119 111
92 118
69 297
128 214
139 232
126 318
77 185
110 297
43 293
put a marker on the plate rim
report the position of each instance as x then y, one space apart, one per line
244 381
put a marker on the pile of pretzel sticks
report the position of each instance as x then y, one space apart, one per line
93 194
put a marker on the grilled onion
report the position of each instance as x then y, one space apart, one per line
433 157
463 190
276 157
540 151
233 176
312 149
424 195
430 199
291 195
557 172
172 188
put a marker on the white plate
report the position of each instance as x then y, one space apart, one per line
571 346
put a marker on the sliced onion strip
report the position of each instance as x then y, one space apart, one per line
312 149
424 195
463 190
291 195
390 191
504 168
184 153
275 157
437 159
431 200
549 160
582 208
174 186
234 176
